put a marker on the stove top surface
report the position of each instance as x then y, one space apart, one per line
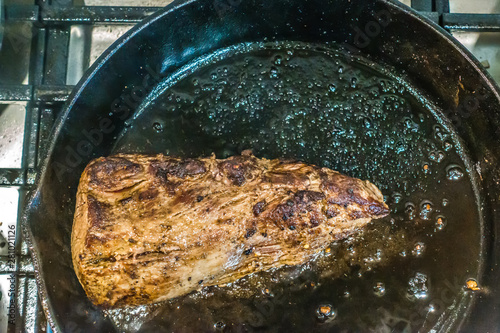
39 65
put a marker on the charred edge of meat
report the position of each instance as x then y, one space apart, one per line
96 212
185 197
356 214
306 197
346 192
377 209
163 171
225 221
92 239
285 161
371 207
149 194
314 221
238 169
109 172
126 200
259 207
161 175
301 202
286 178
189 167
331 212
177 168
133 274
250 232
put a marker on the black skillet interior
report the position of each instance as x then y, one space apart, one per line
99 120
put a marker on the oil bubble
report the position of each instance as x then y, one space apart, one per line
346 294
436 156
447 145
375 258
367 122
454 172
379 289
396 197
400 147
332 87
425 210
426 168
410 210
158 127
219 326
418 249
445 202
278 60
418 286
471 284
341 69
439 134
267 292
273 73
354 82
408 123
325 312
440 222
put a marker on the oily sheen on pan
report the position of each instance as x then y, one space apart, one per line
149 228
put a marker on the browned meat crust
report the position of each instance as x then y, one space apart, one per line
150 228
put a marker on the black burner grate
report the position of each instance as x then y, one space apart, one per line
46 92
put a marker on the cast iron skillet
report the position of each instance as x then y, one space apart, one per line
98 110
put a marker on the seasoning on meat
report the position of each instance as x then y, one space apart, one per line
151 228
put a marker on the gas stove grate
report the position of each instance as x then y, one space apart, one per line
46 92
